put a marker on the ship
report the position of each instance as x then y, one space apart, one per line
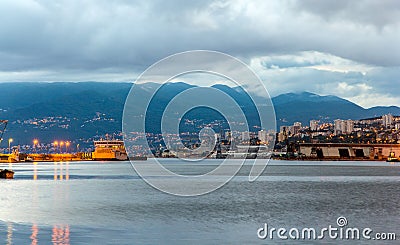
6 174
392 157
109 150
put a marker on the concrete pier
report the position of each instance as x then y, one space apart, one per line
344 151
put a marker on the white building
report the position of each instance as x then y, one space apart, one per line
387 120
296 127
343 126
349 126
263 136
297 124
245 136
313 125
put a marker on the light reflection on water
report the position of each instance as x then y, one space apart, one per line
33 237
60 233
59 236
100 202
9 233
61 170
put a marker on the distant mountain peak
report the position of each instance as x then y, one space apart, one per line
306 93
305 96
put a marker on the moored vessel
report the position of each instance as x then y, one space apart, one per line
6 174
107 150
392 158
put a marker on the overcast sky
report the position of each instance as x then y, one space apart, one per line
345 48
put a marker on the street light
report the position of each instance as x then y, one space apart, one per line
66 146
35 142
61 144
55 143
10 140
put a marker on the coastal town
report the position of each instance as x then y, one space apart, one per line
374 138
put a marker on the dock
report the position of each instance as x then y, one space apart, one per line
39 157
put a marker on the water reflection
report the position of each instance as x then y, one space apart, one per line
35 170
9 233
55 171
61 171
33 237
60 235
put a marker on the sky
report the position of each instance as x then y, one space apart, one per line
344 48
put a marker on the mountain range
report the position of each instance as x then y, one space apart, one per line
305 106
82 110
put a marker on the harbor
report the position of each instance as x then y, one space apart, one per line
105 150
114 150
60 201
346 151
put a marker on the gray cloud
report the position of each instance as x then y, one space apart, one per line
117 40
379 14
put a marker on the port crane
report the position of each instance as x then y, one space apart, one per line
3 125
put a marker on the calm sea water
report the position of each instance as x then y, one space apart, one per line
107 203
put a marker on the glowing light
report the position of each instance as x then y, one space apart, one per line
67 171
9 232
60 234
35 170
9 145
34 236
